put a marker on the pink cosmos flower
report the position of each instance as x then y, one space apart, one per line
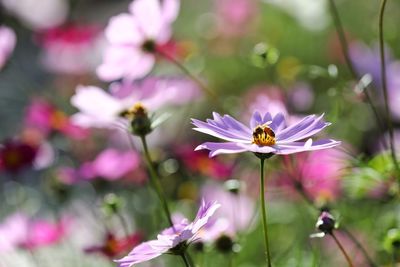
182 234
265 98
134 37
111 164
8 40
45 117
70 49
20 231
318 172
49 14
100 109
235 215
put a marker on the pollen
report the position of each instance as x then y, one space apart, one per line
263 136
137 110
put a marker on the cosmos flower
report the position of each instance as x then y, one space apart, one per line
20 231
266 135
70 49
235 215
173 239
111 164
367 61
134 37
318 173
49 14
8 40
100 109
46 118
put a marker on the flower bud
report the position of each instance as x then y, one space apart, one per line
139 119
224 244
111 204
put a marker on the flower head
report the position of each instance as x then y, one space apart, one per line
20 231
70 49
171 240
266 135
134 38
100 109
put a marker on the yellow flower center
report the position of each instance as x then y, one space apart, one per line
263 136
137 110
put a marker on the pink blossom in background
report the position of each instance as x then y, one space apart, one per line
134 37
43 233
318 172
301 96
111 165
20 231
235 214
45 117
113 246
98 108
198 161
265 98
70 49
367 61
235 16
49 14
8 40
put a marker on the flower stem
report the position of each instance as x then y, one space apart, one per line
345 50
384 85
155 181
185 259
193 77
264 211
342 250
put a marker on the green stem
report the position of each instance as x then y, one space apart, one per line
300 189
342 250
264 211
384 85
345 50
185 259
155 180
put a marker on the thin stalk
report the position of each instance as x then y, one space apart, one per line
300 189
264 210
155 180
384 85
186 259
342 250
193 77
345 50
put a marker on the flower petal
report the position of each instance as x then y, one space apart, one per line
219 128
296 147
221 148
148 15
141 253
